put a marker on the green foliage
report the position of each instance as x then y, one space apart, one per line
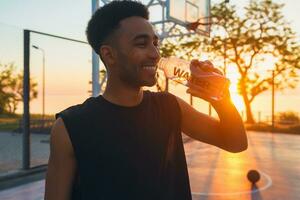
11 88
9 126
102 79
248 39
290 117
263 31
182 47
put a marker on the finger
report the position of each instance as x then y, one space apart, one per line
210 65
203 66
195 62
206 66
198 67
208 62
195 67
216 70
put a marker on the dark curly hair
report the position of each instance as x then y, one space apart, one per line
107 19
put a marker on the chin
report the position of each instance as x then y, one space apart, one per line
149 83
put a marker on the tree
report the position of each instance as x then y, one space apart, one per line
261 32
11 88
288 117
102 81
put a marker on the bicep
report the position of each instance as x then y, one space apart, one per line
198 125
61 166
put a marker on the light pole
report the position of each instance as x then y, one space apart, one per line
273 100
43 105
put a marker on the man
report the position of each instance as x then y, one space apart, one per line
126 143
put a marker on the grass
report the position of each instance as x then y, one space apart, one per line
9 126
10 122
278 128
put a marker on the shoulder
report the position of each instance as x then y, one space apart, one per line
60 142
78 109
76 118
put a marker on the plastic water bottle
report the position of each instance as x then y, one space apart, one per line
180 71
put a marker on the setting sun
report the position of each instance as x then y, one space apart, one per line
237 99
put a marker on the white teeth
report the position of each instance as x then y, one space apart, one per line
149 67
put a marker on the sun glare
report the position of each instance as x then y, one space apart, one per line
235 96
266 64
238 102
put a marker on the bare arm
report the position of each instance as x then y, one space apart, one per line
227 133
61 165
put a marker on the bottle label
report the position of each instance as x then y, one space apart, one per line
179 71
181 74
184 76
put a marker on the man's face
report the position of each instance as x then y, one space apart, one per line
137 52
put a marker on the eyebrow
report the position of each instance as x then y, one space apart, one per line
144 36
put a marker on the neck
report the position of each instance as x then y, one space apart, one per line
122 94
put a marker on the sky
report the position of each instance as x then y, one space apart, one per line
71 63
69 17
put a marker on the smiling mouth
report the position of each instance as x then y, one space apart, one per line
149 67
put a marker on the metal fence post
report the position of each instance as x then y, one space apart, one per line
26 94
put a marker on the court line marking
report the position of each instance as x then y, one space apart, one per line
269 183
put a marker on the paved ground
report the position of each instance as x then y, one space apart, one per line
218 175
11 150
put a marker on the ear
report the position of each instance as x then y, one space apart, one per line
108 54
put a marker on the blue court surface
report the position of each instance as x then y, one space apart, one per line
218 175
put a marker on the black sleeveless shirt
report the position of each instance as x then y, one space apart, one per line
128 152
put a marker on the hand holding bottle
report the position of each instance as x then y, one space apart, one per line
207 82
202 78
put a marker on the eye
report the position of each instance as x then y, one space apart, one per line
141 44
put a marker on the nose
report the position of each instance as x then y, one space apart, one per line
154 53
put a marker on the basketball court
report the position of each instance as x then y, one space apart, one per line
214 173
218 175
